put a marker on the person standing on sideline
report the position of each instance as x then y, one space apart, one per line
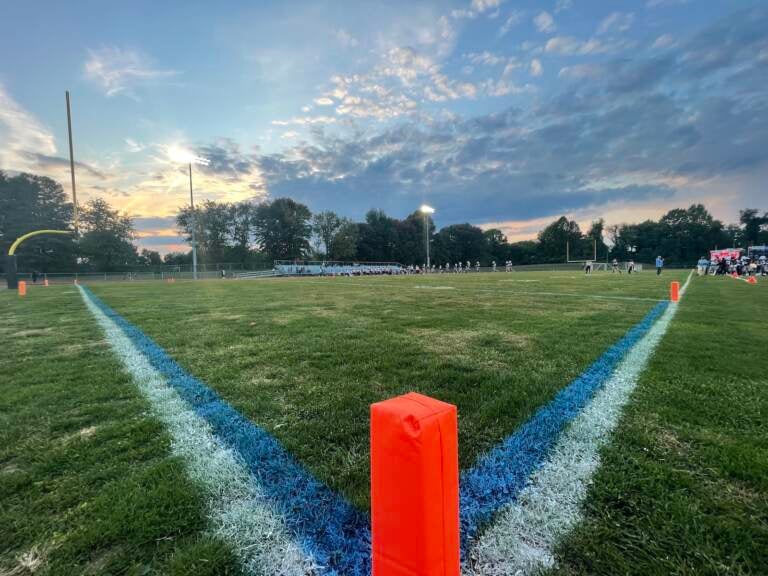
588 267
631 267
659 265
615 266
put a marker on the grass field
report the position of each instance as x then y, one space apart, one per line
88 486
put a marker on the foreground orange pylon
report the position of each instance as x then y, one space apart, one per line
414 487
22 288
674 291
751 280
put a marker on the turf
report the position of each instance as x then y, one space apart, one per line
86 483
304 358
683 488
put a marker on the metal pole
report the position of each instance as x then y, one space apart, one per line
194 225
71 158
426 236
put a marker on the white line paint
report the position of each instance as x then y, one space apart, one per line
237 510
522 539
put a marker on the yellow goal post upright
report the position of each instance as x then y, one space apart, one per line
11 267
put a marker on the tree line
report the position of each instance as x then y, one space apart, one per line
255 234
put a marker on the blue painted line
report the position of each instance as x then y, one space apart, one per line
327 527
500 474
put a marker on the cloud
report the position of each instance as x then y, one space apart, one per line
118 70
485 58
536 68
544 22
305 121
640 133
515 17
323 101
133 145
616 22
658 3
570 46
476 8
345 38
563 5
663 41
580 71
22 135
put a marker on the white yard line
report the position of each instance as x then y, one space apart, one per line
522 540
236 507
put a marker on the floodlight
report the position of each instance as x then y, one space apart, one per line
184 156
426 209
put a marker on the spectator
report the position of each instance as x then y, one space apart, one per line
659 265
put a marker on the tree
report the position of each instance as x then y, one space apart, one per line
377 238
344 241
459 243
524 252
242 217
595 237
150 258
554 237
754 226
29 203
497 246
325 225
212 229
106 243
282 228
178 258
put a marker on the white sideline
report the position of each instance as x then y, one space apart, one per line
237 510
522 540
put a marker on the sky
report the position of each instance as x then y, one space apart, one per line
499 113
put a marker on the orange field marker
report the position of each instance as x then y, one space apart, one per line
674 291
751 280
22 288
414 487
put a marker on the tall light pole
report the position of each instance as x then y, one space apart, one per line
181 155
426 211
194 225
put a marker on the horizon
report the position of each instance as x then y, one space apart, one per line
500 114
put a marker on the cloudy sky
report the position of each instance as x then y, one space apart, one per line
496 112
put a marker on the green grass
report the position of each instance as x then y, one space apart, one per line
683 488
86 483
304 358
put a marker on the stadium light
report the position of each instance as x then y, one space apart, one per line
184 156
426 210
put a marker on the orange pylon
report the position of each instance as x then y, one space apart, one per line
674 291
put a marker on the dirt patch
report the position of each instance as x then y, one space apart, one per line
82 434
479 348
